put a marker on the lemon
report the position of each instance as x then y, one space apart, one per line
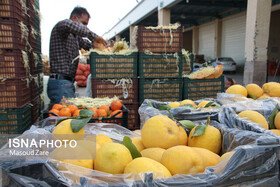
77 155
188 101
174 104
277 121
112 158
237 89
154 153
202 104
160 131
90 146
275 131
102 139
255 117
268 86
182 160
63 131
143 164
137 132
183 136
264 96
209 158
254 90
137 141
211 139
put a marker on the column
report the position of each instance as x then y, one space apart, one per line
133 36
218 37
195 38
164 16
256 41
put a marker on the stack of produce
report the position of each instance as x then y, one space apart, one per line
160 62
35 59
205 82
114 73
16 68
82 74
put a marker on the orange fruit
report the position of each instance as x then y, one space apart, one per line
54 111
76 113
57 106
116 105
101 112
66 112
105 107
118 115
72 108
95 112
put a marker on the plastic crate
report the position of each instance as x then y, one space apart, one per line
15 120
11 36
195 89
13 9
12 64
35 109
113 66
159 40
125 89
14 93
160 65
187 64
133 116
169 89
123 121
35 62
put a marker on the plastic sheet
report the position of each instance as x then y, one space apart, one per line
240 103
179 113
254 162
229 117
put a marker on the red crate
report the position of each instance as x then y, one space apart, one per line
34 86
133 116
13 9
105 88
11 36
12 64
158 40
14 93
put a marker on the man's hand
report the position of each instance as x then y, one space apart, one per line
99 39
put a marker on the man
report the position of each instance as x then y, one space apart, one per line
229 82
67 37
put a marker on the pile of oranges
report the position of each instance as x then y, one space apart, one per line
73 111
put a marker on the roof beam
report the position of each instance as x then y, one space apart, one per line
204 14
228 4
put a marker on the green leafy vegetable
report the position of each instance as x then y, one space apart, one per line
127 142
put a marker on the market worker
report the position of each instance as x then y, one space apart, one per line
67 37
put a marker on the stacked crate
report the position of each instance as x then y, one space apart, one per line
15 113
116 75
34 55
160 63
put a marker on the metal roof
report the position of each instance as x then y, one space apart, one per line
187 12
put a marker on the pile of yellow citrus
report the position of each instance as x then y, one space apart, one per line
270 89
163 146
188 102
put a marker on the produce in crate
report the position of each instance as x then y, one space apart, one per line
270 89
255 117
101 107
208 72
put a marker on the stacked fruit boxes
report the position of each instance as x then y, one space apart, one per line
15 115
34 55
116 75
160 63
